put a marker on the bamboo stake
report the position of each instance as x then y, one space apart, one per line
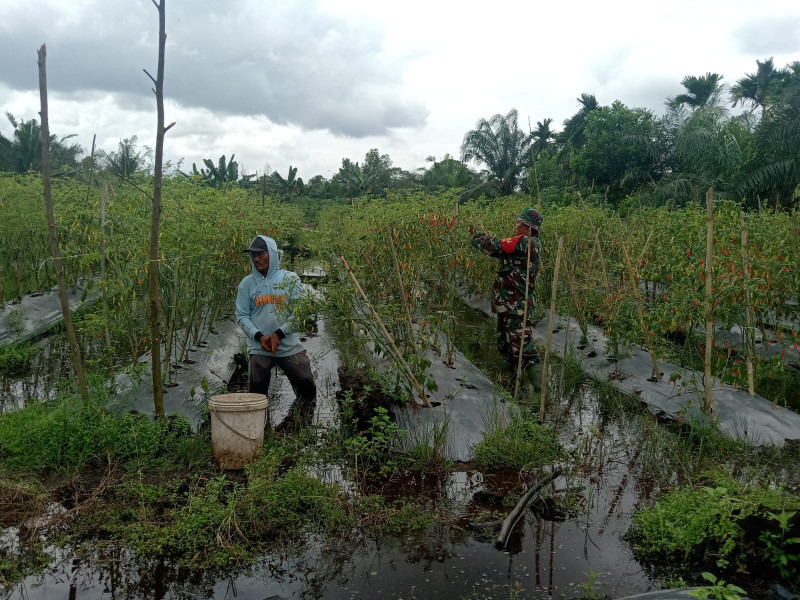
569 311
543 392
640 310
388 337
708 404
450 298
597 241
174 308
74 349
748 336
524 316
403 299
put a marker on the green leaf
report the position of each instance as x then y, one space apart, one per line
204 384
192 392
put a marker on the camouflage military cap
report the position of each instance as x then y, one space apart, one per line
532 218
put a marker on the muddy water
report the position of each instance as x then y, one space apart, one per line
546 557
49 368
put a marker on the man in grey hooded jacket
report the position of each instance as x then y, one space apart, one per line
264 305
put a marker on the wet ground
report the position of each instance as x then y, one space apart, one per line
551 553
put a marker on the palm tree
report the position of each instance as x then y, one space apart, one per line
757 88
542 136
700 91
502 146
572 139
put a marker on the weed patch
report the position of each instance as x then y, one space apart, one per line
709 522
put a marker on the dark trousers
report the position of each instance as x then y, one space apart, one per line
297 368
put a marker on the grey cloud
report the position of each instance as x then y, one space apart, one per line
769 35
290 63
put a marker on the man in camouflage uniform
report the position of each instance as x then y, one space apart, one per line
508 291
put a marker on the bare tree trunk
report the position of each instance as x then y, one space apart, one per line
158 170
74 350
708 403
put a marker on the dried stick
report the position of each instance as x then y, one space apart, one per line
596 239
640 310
388 337
543 392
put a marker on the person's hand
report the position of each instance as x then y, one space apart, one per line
273 341
270 342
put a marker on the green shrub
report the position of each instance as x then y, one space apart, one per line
688 521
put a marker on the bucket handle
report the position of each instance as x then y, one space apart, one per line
239 433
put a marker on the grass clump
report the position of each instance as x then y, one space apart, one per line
523 444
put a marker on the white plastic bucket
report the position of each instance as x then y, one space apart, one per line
237 428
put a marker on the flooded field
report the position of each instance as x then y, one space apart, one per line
571 543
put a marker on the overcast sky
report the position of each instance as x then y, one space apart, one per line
309 82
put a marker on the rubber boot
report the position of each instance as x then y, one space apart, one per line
535 374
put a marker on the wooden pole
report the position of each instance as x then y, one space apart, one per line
708 404
748 338
387 335
543 392
74 349
524 316
153 287
640 310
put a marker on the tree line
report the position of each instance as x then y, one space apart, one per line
614 151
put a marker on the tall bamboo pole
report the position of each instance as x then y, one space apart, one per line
74 349
748 337
640 310
387 336
543 392
708 404
153 287
524 316
104 283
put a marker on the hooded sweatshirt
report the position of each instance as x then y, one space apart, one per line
265 304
